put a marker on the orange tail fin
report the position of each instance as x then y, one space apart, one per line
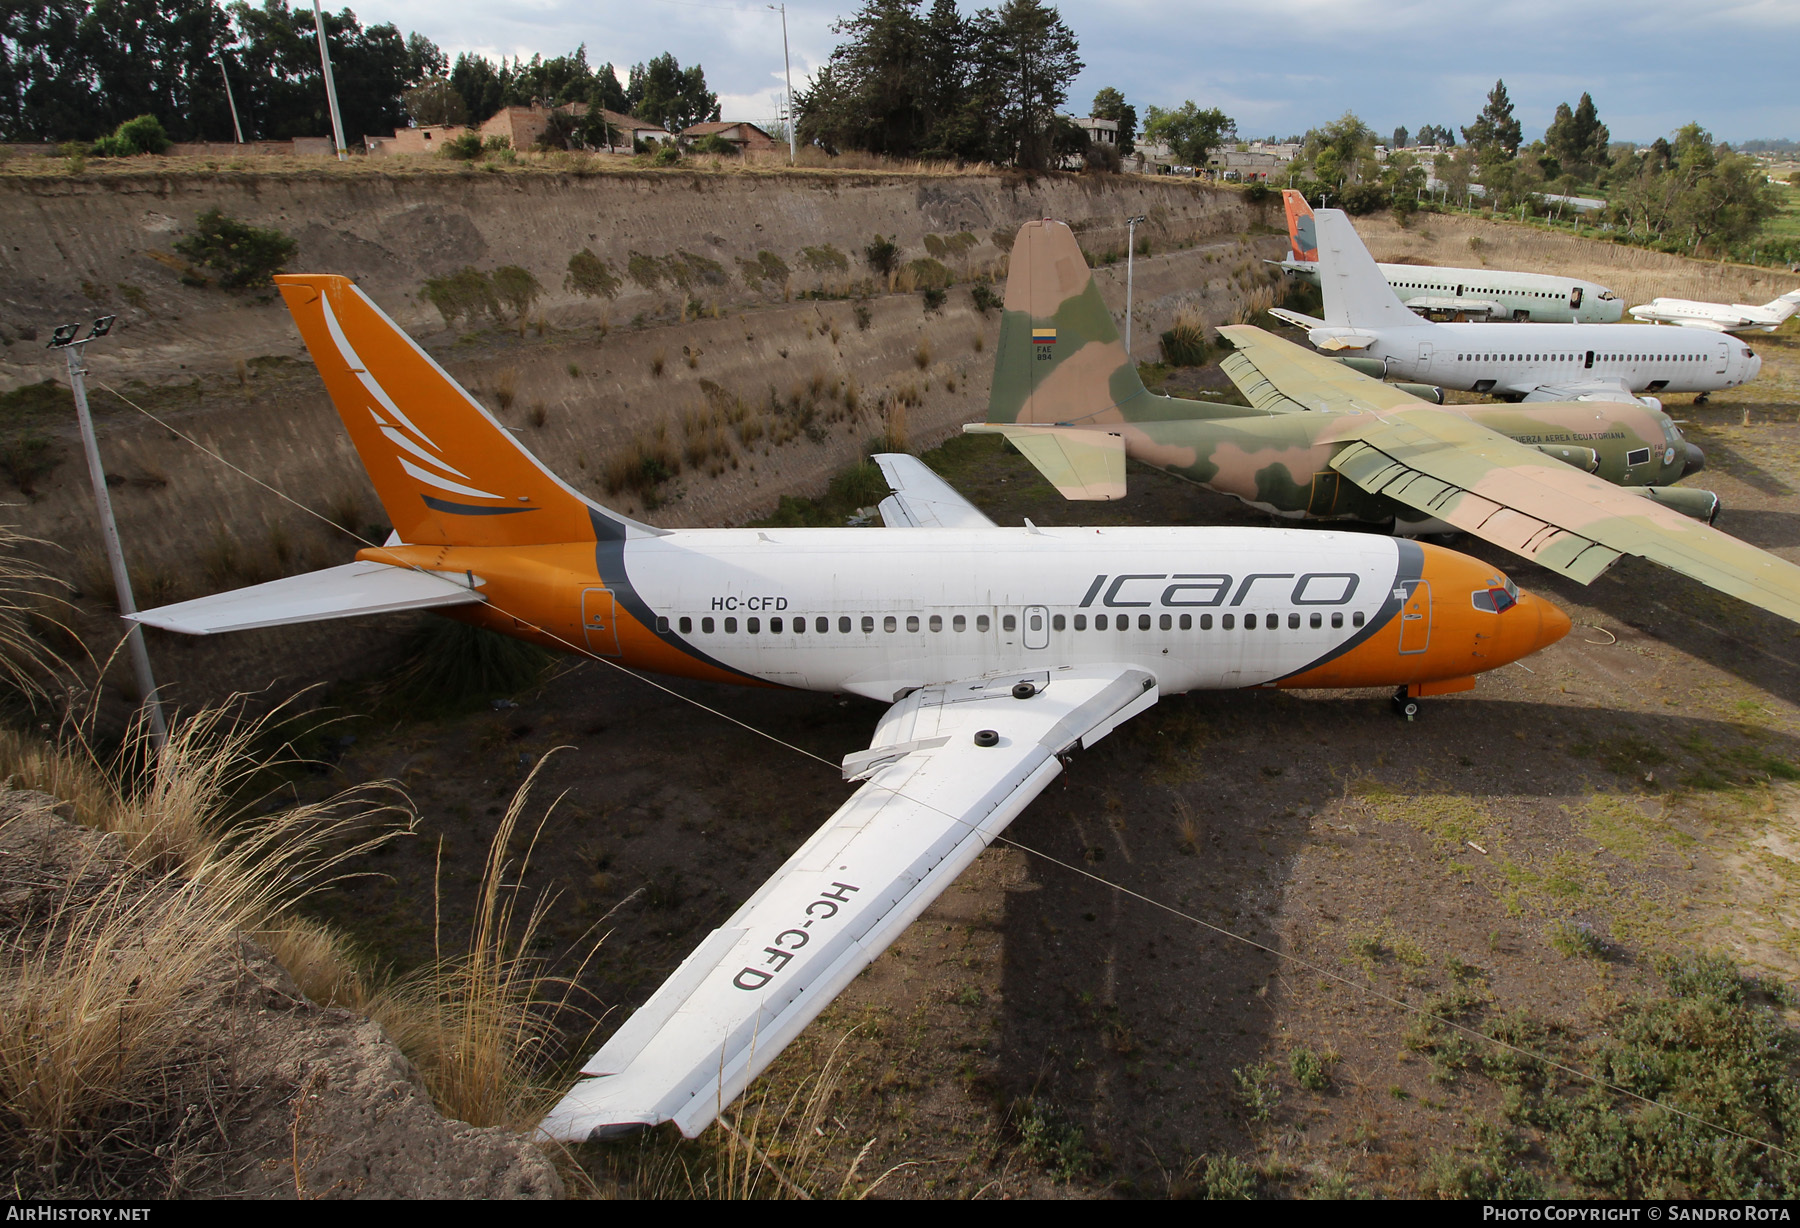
445 470
1303 238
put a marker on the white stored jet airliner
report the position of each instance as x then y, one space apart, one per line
1720 317
1000 649
1442 291
1530 362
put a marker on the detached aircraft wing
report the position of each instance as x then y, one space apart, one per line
923 500
1500 490
1581 390
1277 376
949 768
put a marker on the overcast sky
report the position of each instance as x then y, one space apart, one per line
1278 67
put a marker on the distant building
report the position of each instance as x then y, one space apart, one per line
520 126
739 134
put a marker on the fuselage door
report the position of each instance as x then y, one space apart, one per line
1424 367
597 623
1724 357
1575 297
1037 627
1415 617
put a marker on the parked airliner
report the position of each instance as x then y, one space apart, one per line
1455 293
999 649
1530 362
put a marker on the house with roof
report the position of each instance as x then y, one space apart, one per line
739 135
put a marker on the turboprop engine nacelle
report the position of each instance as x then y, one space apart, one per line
1702 505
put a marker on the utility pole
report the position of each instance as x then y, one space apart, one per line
1131 224
337 122
787 66
64 339
229 100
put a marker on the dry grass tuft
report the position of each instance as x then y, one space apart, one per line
657 361
922 355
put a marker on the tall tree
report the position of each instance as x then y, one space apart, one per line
665 93
1025 60
1495 128
1399 141
1342 152
1190 133
1109 103
1578 140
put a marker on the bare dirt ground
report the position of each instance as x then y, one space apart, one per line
1125 997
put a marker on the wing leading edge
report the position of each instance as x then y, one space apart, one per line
950 767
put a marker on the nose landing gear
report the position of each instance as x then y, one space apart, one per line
1405 705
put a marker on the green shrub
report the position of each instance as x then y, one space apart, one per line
239 254
496 144
1216 1177
1258 193
451 666
713 143
929 274
1184 344
1050 1140
463 147
590 275
1258 1090
882 255
27 459
466 293
143 135
934 298
516 287
668 155
1312 1070
984 298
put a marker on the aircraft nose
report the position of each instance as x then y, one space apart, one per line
1552 623
1696 460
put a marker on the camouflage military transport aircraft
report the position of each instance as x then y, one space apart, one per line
998 649
1571 487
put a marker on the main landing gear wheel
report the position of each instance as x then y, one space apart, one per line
1703 398
1405 705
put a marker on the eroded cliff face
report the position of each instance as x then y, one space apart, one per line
724 328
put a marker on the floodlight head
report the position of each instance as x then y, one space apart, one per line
102 326
64 334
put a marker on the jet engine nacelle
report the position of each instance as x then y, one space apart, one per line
1702 505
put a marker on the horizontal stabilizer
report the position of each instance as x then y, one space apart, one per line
923 500
1299 319
336 592
1081 463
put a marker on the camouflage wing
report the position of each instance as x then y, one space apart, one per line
1278 377
1551 513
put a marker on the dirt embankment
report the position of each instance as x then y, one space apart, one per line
702 296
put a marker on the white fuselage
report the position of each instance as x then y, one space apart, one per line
1508 359
1534 297
880 613
1718 317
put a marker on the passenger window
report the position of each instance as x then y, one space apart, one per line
937 622
1249 622
799 626
1294 622
1081 622
1318 620
1008 623
821 625
1099 622
1143 622
1226 622
981 622
662 624
1165 622
731 626
775 626
912 622
753 625
1056 622
706 626
890 623
959 623
1206 622
843 619
1037 622
1356 619
687 625
868 623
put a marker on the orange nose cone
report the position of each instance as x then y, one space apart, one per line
1552 623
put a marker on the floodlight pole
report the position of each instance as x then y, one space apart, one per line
109 533
1131 224
787 66
337 122
229 100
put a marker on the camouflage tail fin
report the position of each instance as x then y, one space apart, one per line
1303 240
1060 359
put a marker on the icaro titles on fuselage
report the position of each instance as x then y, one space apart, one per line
1570 486
1532 362
999 649
1460 292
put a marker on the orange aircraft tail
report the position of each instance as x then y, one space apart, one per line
1303 240
446 471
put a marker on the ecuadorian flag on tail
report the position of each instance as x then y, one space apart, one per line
1043 336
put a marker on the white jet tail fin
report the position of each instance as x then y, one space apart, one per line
1784 306
1356 294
